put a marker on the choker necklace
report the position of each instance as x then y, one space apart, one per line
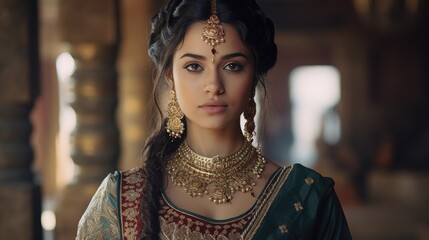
218 177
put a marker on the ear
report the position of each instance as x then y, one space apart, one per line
169 77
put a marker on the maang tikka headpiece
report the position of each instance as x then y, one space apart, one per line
213 33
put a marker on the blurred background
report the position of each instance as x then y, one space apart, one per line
348 97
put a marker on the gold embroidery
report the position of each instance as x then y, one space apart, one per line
130 232
131 193
309 181
173 231
100 219
179 225
298 206
130 214
283 229
264 206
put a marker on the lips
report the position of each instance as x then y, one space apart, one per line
214 107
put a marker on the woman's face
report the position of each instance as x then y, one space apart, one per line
212 94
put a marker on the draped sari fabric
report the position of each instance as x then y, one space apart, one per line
297 203
305 206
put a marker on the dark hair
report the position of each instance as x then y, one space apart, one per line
169 26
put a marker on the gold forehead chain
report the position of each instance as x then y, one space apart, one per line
213 33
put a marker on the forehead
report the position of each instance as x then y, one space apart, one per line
192 41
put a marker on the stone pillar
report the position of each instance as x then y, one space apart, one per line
90 29
135 85
20 200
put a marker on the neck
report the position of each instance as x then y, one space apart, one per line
209 143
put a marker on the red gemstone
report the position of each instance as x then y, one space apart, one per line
213 51
213 31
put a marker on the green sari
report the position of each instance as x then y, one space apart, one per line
301 205
297 203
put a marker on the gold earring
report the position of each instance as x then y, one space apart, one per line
175 127
249 115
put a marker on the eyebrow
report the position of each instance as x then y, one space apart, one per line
225 57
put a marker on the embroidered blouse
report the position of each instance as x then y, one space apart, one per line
297 203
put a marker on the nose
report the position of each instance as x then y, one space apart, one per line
214 83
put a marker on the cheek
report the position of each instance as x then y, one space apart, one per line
247 88
180 93
183 94
242 94
179 86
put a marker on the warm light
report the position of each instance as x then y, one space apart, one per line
388 14
315 85
48 220
67 119
65 66
315 92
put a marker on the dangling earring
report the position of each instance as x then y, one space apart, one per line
175 125
249 115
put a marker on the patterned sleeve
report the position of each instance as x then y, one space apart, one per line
100 220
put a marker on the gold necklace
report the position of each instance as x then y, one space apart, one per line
227 175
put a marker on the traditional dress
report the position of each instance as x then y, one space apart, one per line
297 203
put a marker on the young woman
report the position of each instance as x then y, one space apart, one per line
202 178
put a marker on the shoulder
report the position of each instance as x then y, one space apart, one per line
130 188
304 177
305 187
307 190
307 176
130 192
318 208
100 219
114 181
302 204
132 176
106 191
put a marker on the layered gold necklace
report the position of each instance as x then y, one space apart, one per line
218 177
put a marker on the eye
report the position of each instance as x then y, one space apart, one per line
234 67
194 67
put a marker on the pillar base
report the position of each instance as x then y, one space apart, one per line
20 211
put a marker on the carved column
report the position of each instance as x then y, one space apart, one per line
135 79
90 28
95 138
20 201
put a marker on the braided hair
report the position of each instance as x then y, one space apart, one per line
169 26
